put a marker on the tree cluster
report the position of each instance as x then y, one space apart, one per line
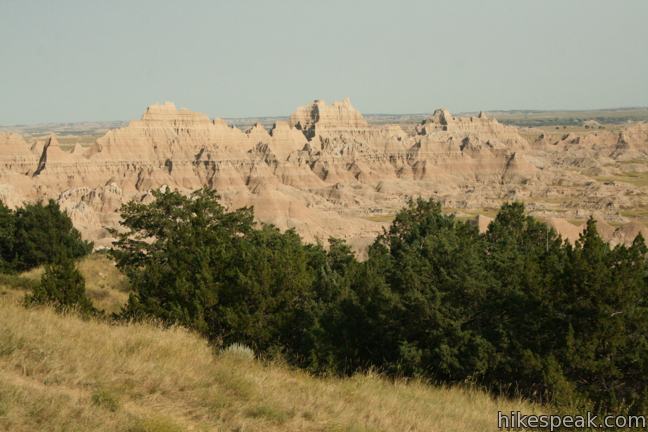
516 309
41 234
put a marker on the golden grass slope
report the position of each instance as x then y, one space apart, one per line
61 373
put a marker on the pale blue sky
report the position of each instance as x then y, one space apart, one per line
73 60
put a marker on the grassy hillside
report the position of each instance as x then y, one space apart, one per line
61 373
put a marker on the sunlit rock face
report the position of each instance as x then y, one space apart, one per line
324 172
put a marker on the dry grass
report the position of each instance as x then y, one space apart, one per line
105 285
464 214
381 218
639 179
639 213
460 213
60 373
577 221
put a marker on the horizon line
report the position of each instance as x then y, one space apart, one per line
460 113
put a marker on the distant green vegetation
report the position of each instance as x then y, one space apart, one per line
570 118
516 310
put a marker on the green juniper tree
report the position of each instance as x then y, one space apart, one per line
7 238
42 233
607 320
62 286
192 262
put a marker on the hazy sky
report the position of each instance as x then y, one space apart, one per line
107 60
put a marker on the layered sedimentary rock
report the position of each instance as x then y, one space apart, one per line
319 116
14 150
324 172
631 143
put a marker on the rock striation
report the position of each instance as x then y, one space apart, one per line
326 171
319 116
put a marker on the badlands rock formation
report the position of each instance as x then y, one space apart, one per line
327 172
318 116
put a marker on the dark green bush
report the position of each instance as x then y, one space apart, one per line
7 236
42 233
63 287
37 234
